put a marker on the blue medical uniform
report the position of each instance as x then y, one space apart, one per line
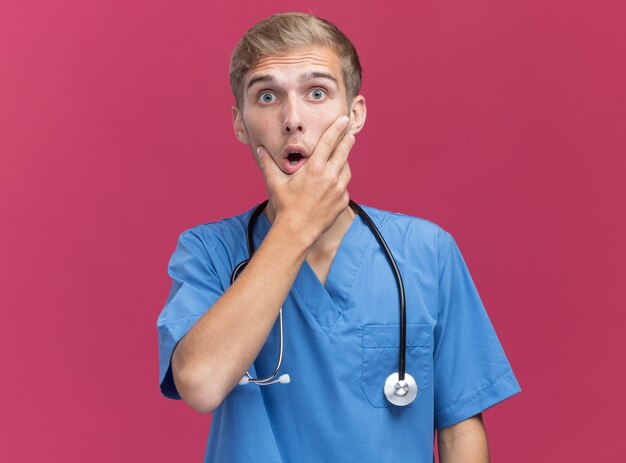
341 342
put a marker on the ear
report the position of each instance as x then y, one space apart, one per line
357 114
239 127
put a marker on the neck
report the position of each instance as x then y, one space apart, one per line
332 237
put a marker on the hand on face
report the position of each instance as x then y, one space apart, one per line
312 198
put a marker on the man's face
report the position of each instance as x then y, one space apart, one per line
289 100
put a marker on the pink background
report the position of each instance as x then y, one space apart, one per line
502 121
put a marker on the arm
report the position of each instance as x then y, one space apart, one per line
464 442
215 353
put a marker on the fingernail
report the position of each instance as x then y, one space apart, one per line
259 151
343 120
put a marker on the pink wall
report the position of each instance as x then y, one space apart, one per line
502 121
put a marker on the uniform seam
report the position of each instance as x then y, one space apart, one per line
344 296
206 251
209 261
466 399
180 320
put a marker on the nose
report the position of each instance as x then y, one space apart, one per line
292 122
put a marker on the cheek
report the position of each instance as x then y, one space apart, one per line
320 121
256 129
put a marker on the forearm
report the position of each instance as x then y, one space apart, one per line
214 355
465 442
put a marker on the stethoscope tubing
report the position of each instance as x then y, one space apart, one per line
381 241
396 271
242 265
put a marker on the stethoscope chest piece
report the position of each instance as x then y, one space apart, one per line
400 393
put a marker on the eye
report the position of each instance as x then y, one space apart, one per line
266 97
317 93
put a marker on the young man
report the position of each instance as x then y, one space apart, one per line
296 81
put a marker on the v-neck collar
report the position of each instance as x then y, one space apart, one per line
327 302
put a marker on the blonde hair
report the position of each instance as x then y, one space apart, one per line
288 31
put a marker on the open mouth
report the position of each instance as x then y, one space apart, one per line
294 157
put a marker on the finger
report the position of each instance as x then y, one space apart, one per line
340 155
266 163
329 140
344 176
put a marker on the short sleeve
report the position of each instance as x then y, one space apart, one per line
471 371
195 288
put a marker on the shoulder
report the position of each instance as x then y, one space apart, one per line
221 230
222 240
410 229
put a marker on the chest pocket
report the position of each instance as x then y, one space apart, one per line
381 350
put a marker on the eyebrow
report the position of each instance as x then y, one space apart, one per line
303 78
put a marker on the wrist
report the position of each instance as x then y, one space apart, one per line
292 235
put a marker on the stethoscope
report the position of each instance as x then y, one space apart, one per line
400 388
